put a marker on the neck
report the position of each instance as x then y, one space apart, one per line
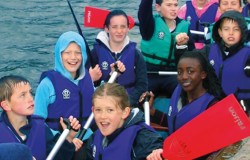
171 24
196 94
17 122
115 47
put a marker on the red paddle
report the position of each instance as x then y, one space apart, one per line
221 125
95 17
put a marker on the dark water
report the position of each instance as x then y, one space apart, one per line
29 30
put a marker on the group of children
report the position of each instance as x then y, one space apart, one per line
74 89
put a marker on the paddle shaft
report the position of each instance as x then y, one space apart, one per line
82 133
80 32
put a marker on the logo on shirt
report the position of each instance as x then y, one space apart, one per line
94 151
161 35
212 62
105 65
66 94
169 110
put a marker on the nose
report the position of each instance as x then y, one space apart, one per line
184 75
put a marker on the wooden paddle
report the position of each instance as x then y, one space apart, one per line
95 17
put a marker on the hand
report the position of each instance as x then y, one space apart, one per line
74 123
95 73
181 39
78 143
121 67
155 155
151 99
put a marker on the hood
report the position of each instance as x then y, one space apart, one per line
236 16
136 116
104 38
62 43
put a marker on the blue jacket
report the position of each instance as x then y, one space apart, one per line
131 141
195 22
40 138
69 94
177 119
230 71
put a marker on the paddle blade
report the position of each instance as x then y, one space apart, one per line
95 17
221 125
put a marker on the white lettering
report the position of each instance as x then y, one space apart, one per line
236 118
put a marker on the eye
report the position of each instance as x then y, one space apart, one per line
110 110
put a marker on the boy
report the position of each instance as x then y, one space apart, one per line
18 126
158 41
230 58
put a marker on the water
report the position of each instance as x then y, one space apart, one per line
29 30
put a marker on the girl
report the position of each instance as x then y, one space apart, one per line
122 133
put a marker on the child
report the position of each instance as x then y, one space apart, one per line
114 47
198 89
18 126
68 89
158 42
229 57
122 133
196 79
198 12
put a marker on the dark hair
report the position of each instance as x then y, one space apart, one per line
7 84
115 13
158 2
114 90
239 2
211 83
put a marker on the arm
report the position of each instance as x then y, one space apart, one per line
143 145
141 84
45 95
146 19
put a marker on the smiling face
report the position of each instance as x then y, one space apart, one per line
21 102
72 58
230 32
168 9
108 115
117 29
226 5
190 75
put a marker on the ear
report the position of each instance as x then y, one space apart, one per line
126 113
5 105
106 29
219 31
157 7
203 75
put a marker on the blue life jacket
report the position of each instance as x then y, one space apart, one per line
120 148
71 99
36 139
208 17
231 71
246 10
126 79
177 119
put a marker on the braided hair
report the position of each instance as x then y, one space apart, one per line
211 83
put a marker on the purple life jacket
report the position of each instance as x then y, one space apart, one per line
188 112
70 99
126 79
231 71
